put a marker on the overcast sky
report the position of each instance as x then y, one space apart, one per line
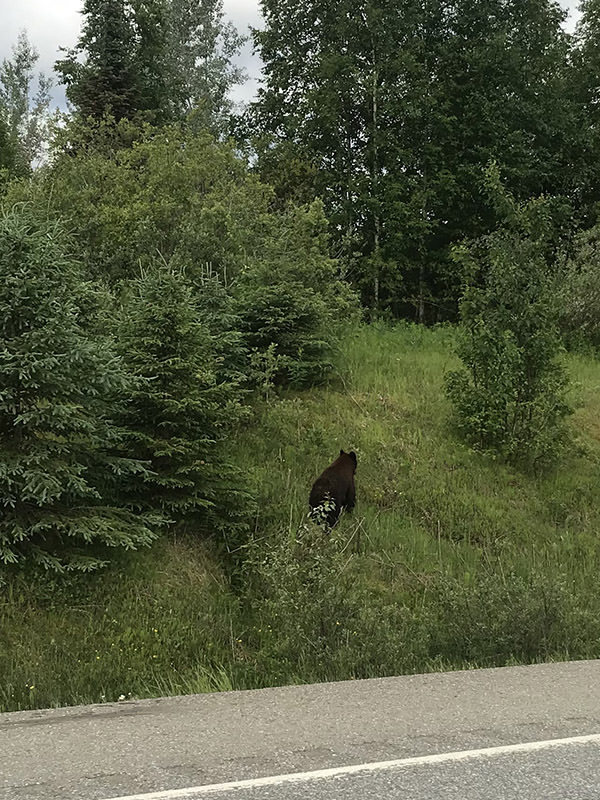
54 23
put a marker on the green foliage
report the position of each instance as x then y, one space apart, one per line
105 80
217 309
7 152
23 115
451 560
312 615
583 88
580 312
60 389
168 192
200 50
181 409
154 60
192 201
511 394
390 111
291 301
506 618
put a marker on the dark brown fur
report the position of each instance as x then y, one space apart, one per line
335 483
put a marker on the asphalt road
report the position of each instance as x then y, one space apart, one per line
432 728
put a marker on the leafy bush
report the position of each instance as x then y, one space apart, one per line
58 440
511 394
498 619
181 408
580 314
183 197
164 191
315 619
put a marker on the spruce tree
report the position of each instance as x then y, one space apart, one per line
59 390
106 81
153 60
179 414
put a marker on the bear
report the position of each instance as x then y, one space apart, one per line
336 485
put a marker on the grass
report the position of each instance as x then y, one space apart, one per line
158 621
461 561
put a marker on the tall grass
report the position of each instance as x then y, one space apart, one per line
450 559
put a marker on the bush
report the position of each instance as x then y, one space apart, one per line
500 619
580 314
185 198
291 300
511 395
168 192
59 389
315 619
182 407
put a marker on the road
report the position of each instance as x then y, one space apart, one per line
479 734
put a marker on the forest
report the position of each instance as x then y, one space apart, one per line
393 249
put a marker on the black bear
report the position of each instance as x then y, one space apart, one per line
334 489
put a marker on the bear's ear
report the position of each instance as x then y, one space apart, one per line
352 455
342 453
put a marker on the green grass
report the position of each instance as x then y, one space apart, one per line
158 623
462 560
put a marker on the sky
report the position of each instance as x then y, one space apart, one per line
51 24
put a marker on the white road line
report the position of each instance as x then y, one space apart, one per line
300 777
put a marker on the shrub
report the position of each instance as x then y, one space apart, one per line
182 407
183 197
167 191
291 300
59 390
511 394
501 618
580 314
315 618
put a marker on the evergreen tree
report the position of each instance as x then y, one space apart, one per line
58 467
181 410
292 304
156 60
107 80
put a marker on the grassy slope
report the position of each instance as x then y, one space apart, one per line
466 562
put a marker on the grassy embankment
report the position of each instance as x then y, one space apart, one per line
462 562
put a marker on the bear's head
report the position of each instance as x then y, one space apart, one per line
351 455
